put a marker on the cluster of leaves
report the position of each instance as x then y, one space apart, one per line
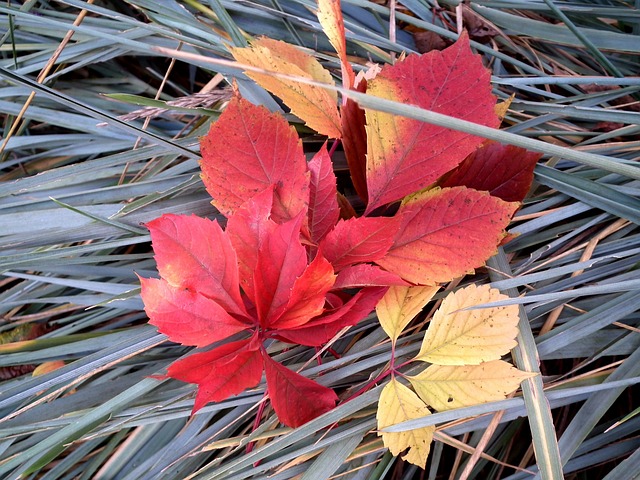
294 250
462 346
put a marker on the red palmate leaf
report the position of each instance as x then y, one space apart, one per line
446 233
406 155
324 210
249 149
195 253
505 171
296 399
359 240
320 330
221 372
281 260
247 228
366 275
307 296
185 316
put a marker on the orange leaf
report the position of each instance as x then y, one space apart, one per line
406 155
330 17
446 233
249 149
315 105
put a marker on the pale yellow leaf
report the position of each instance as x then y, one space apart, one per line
470 337
316 106
397 404
447 387
400 305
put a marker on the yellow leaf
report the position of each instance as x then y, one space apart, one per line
502 108
397 404
316 106
47 367
330 17
400 305
470 337
447 387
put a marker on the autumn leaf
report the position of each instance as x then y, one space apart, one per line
400 305
398 404
307 297
359 239
448 387
248 150
247 228
320 330
281 259
324 210
221 372
505 171
332 23
194 253
316 106
185 316
296 399
354 141
463 337
406 155
445 234
284 295
366 275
